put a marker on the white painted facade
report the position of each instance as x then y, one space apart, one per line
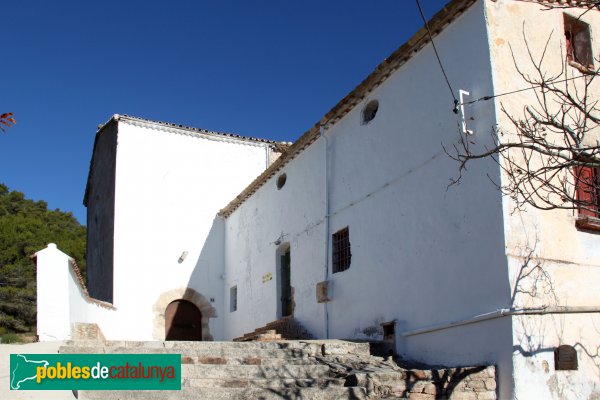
445 264
168 186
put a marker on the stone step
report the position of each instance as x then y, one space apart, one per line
308 347
254 371
289 383
331 393
251 360
226 353
304 369
287 327
269 335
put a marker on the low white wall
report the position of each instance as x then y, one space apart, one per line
61 300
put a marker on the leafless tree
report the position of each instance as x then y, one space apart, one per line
550 151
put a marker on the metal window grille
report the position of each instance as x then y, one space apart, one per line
341 250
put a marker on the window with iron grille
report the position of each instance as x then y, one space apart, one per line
341 250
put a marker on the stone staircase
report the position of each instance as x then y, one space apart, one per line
284 328
310 369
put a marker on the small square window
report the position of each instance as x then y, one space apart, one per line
579 43
233 299
341 250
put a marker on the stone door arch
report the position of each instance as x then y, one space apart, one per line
205 308
183 321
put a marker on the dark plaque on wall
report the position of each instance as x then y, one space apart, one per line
565 358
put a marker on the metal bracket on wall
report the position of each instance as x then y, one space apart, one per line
463 118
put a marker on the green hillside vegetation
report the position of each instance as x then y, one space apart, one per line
26 227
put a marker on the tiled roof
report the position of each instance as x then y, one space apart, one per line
189 129
568 3
77 272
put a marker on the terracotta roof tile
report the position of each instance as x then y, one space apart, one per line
83 288
189 128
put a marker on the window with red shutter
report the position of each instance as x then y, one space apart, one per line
587 184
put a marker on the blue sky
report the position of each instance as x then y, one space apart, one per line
264 68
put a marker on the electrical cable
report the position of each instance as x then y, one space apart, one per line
455 109
542 84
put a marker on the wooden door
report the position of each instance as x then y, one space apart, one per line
183 321
287 307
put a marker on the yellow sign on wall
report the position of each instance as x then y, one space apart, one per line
267 277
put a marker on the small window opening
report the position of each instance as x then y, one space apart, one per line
341 250
578 42
233 298
565 358
281 181
389 330
389 337
370 111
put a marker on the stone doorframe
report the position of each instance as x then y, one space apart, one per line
185 293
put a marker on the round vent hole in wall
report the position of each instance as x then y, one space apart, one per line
281 181
370 111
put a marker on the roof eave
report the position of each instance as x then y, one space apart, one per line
405 52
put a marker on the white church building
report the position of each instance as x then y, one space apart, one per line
352 229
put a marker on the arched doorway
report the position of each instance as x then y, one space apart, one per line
183 321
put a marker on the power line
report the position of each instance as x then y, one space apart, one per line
542 84
455 109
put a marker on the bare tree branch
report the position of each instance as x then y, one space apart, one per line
546 149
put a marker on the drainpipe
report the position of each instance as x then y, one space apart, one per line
322 129
504 312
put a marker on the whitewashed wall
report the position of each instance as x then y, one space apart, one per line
294 215
569 259
421 254
61 300
169 187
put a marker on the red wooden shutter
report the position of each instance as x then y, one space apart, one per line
585 180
